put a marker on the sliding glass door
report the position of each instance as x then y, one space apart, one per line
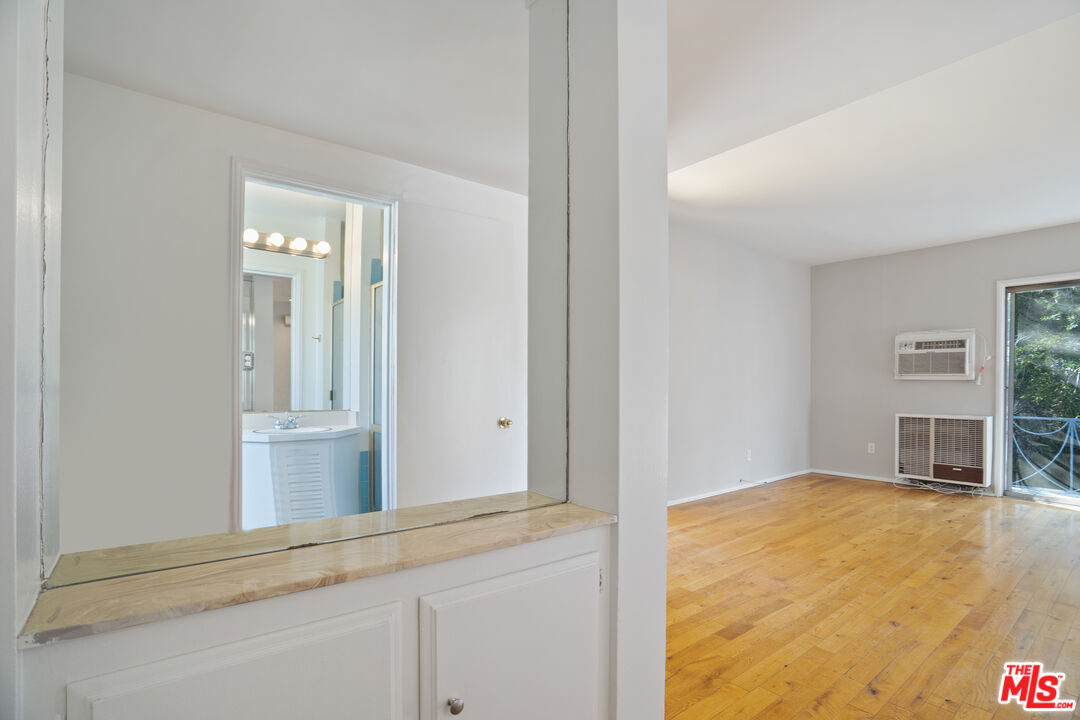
1043 391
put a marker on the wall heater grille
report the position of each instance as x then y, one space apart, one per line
944 448
959 442
913 446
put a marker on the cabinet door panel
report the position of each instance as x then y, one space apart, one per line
522 646
345 667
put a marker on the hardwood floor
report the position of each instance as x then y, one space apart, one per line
823 597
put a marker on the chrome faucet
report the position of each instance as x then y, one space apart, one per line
291 422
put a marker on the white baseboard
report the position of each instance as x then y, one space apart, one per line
836 473
740 486
876 478
986 492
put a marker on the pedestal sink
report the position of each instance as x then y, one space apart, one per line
307 473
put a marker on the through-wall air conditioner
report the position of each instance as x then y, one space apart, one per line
944 448
936 355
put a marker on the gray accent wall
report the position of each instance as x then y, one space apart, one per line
740 365
859 306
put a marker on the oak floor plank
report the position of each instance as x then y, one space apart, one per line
966 712
828 597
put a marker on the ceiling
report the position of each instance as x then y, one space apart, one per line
818 131
840 128
438 84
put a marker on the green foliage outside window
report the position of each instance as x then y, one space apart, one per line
1047 349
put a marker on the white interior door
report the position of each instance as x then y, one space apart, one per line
461 355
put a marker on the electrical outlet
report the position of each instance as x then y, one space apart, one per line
749 455
871 448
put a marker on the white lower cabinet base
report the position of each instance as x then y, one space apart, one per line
518 633
349 666
522 646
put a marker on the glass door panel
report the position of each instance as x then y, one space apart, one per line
1043 391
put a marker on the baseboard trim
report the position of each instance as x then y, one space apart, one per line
855 476
742 486
985 492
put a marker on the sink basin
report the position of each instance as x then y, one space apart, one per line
294 431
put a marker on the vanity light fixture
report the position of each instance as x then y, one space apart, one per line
276 242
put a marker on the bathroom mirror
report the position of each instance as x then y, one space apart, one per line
313 273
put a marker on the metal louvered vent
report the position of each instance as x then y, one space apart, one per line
959 442
952 449
913 446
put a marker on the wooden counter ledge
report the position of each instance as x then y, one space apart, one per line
96 607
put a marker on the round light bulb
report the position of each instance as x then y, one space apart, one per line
323 247
251 236
276 239
298 244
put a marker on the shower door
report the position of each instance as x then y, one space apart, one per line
377 394
247 344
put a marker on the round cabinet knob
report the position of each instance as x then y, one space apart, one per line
505 422
456 705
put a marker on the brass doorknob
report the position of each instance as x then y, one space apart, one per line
505 422
456 705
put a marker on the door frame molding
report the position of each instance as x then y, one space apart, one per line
1003 432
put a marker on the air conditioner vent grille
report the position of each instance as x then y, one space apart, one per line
913 445
941 345
959 442
933 363
935 355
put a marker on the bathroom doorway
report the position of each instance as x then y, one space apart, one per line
316 352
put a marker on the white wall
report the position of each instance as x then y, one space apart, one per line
142 465
740 365
858 308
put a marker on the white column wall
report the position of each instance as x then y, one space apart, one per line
618 381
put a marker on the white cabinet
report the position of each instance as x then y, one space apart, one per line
512 644
522 646
344 667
